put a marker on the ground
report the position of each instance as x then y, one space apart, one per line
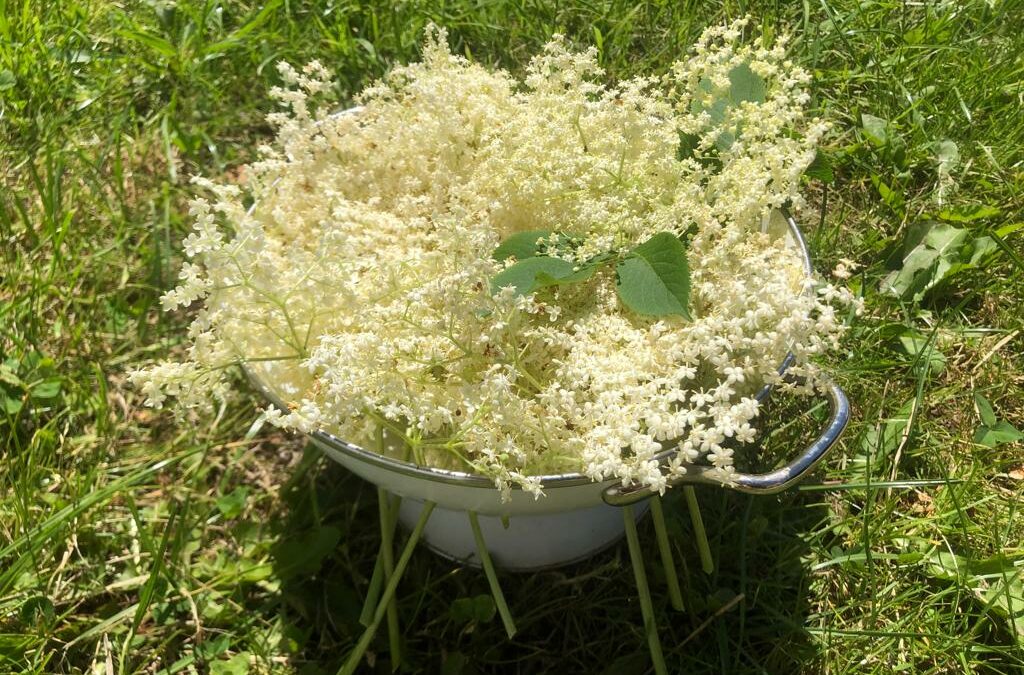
130 542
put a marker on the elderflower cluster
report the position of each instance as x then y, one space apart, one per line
359 286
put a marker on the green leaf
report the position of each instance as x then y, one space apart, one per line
9 376
521 245
153 42
523 274
211 648
1009 229
636 663
654 278
582 274
480 608
970 213
1002 432
7 79
947 566
231 505
745 85
914 36
1005 597
454 664
985 412
820 168
926 263
993 432
37 610
995 581
934 253
881 441
236 665
891 197
302 554
10 405
484 608
48 388
875 129
923 351
236 37
687 146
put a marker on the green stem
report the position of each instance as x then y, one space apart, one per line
389 592
373 592
388 560
675 596
706 561
377 580
492 577
646 607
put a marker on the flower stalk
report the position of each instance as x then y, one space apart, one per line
388 568
699 533
636 557
492 576
356 656
675 595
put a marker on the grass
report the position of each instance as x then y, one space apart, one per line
132 543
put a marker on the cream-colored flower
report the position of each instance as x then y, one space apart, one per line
359 287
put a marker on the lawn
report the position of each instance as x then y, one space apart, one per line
130 542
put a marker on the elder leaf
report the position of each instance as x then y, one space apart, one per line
521 245
529 274
687 146
745 85
654 278
574 277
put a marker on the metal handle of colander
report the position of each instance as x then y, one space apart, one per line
760 483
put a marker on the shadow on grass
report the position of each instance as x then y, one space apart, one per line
748 616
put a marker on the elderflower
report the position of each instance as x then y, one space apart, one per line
359 286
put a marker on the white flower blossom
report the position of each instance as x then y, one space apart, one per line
359 288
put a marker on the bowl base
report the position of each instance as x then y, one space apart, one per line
529 543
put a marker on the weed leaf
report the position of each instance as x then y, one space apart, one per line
985 412
969 214
935 252
875 129
820 168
